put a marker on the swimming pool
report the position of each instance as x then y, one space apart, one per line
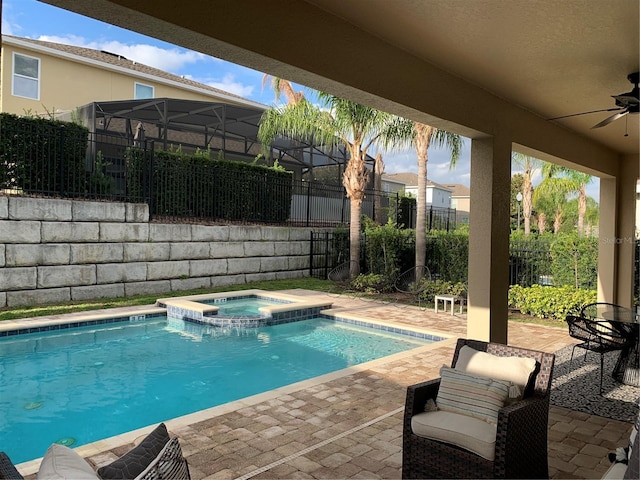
83 384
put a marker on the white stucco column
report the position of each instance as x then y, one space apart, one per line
616 251
489 239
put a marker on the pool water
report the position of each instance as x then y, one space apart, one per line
91 383
246 306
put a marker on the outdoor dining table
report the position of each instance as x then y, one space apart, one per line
627 322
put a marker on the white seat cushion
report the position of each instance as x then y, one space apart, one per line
616 472
463 431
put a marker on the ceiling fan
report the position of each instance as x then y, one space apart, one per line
625 103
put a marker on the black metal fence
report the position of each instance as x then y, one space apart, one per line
37 166
530 262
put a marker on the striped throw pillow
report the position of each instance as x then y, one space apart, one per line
475 396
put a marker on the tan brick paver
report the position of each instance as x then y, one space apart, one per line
350 425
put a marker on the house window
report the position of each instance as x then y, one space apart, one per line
142 91
26 76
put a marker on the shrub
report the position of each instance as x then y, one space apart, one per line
440 287
388 250
372 283
549 302
575 260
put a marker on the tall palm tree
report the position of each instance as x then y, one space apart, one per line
578 182
422 137
529 165
337 121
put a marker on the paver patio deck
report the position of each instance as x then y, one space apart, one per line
349 424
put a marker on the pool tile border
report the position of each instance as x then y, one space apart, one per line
13 328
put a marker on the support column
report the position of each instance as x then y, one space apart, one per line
607 237
616 250
489 239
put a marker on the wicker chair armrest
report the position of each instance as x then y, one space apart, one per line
417 396
7 469
521 442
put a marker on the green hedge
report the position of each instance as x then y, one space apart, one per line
43 156
406 206
549 302
198 186
448 255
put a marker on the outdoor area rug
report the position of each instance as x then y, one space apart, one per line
576 385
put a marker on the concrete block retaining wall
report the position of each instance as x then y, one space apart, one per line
60 250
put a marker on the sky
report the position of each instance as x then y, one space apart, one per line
39 21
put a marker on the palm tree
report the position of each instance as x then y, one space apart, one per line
550 197
529 166
578 182
422 137
337 121
284 87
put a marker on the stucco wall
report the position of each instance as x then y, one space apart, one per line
61 250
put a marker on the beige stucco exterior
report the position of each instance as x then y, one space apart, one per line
68 81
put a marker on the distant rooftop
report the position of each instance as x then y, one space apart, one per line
411 179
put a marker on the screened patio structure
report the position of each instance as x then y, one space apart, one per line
192 125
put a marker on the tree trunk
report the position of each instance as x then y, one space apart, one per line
354 181
557 221
582 209
527 194
423 134
354 238
542 222
377 186
421 214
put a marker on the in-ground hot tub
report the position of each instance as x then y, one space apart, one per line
245 308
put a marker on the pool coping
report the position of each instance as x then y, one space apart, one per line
80 319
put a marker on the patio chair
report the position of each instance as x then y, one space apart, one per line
8 469
443 443
597 336
413 281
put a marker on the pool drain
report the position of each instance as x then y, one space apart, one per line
32 405
66 441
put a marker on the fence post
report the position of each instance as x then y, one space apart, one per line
308 203
311 253
397 208
151 177
61 160
430 217
326 254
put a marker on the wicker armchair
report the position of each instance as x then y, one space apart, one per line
7 470
521 439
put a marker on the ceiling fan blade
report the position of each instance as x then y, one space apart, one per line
610 119
586 113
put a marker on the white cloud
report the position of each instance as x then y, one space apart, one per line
7 28
229 84
167 59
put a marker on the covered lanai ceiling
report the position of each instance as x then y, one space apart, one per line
548 58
